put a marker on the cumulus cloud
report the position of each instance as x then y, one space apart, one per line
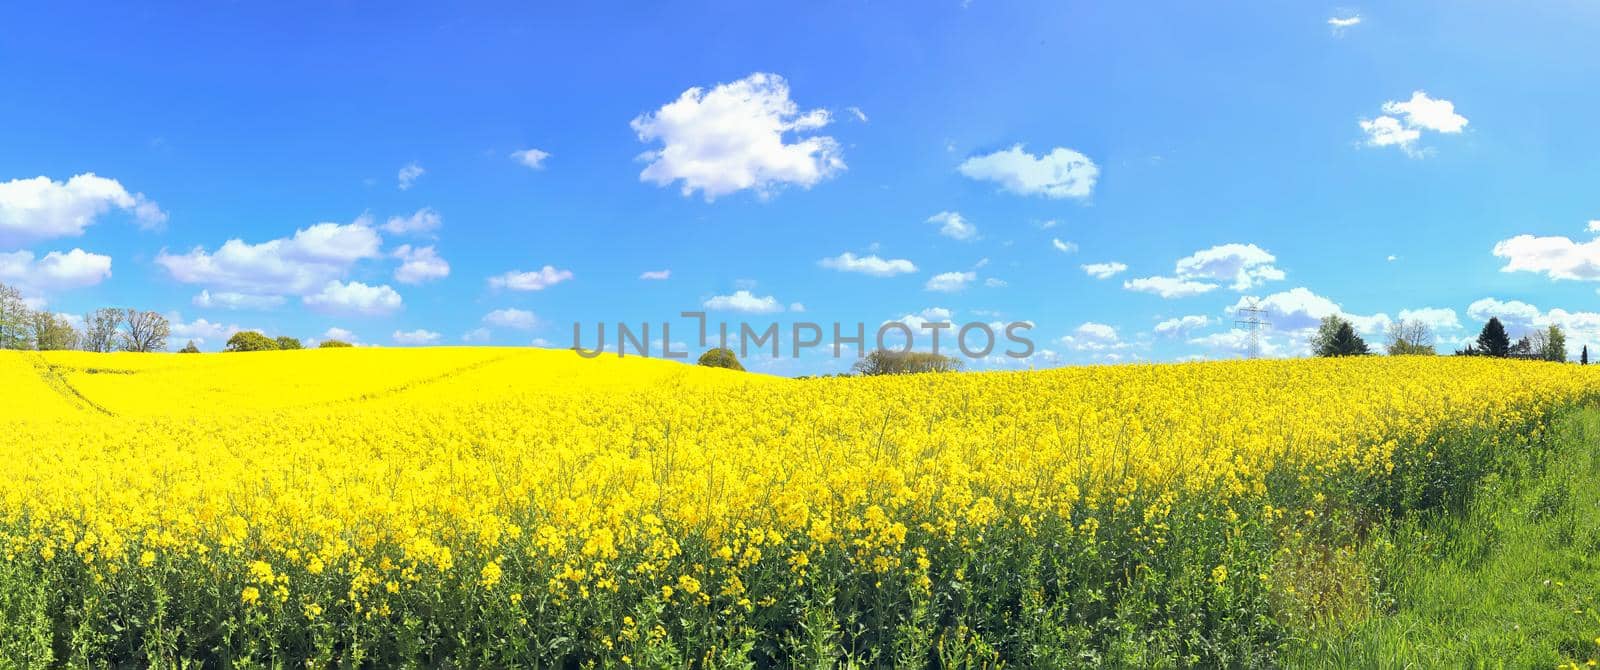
735 137
55 271
409 174
296 265
1557 257
236 301
519 319
1402 123
1103 270
1236 342
530 157
40 208
1063 247
954 226
415 337
1168 287
424 220
950 282
1062 173
1241 266
929 315
1437 318
336 333
1091 336
354 298
656 275
1299 310
199 330
419 264
536 280
868 265
1182 325
744 301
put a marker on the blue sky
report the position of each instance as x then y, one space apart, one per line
1428 160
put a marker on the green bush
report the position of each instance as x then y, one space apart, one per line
250 340
886 362
333 344
721 357
189 348
286 342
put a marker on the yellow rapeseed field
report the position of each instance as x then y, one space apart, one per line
528 507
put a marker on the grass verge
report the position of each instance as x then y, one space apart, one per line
1513 580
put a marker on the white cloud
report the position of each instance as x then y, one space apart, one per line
868 265
1427 113
519 319
995 282
476 335
419 264
950 282
199 330
1245 265
1242 266
1168 287
744 301
1092 336
233 300
340 334
1103 270
297 265
1436 318
954 226
39 208
1392 258
354 298
1236 342
732 138
1511 312
55 271
1402 123
530 157
424 220
1339 24
656 275
537 280
1179 326
1594 226
856 112
797 307
1062 173
1298 310
1064 247
415 337
1558 257
409 174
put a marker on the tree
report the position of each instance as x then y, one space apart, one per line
1555 344
1584 359
1492 340
189 348
1345 342
1410 338
1325 332
720 357
14 319
249 340
145 331
53 332
286 342
333 344
886 362
102 329
1522 348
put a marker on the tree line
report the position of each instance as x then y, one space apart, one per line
1336 336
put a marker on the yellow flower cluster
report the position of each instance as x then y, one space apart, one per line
346 478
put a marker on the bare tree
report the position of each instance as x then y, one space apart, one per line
102 329
146 331
15 319
1410 337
